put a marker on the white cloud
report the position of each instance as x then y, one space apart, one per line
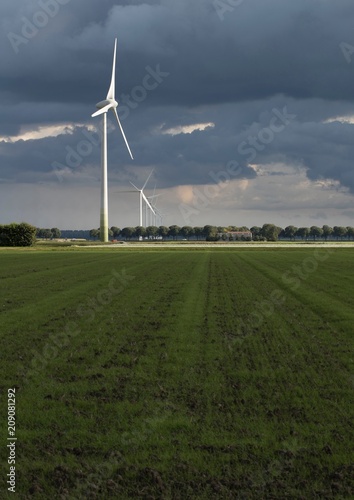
273 169
30 134
342 119
188 129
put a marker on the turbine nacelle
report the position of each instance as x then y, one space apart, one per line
107 102
105 106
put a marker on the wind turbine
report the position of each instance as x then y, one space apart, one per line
154 206
142 198
158 215
103 108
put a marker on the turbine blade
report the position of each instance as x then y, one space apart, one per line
112 90
134 186
147 180
148 204
123 134
102 110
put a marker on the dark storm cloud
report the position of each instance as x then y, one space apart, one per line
231 68
260 49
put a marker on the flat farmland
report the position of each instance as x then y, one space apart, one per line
176 374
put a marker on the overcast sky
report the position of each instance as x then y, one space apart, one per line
244 109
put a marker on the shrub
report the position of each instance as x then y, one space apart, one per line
17 235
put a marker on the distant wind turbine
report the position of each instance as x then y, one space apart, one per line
154 206
158 219
103 108
144 202
142 198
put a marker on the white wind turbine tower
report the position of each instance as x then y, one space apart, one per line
142 198
154 206
158 215
103 108
158 219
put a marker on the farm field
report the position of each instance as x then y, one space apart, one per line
176 374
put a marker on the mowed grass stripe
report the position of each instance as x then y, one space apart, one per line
296 344
283 371
320 320
311 271
126 355
64 287
300 318
46 307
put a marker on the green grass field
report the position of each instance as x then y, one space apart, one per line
179 374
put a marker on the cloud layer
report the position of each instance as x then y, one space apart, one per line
200 84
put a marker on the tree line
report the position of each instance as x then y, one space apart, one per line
268 232
48 234
25 235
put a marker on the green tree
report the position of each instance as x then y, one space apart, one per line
47 234
55 232
115 231
127 232
174 231
316 232
303 233
290 232
256 232
187 232
139 232
17 235
94 233
163 231
270 232
198 231
350 232
339 232
152 231
326 232
210 232
41 233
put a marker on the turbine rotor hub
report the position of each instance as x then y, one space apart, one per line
107 102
